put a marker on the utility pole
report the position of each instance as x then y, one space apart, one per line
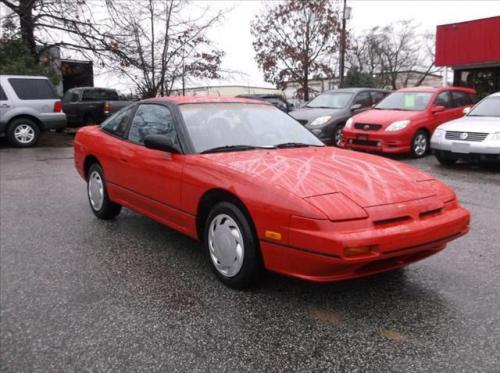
346 14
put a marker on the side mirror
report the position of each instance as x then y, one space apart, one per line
437 109
161 142
467 110
356 107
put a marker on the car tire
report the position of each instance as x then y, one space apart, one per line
446 160
99 202
23 132
420 144
337 135
231 246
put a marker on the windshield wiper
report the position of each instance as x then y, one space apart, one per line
231 148
295 145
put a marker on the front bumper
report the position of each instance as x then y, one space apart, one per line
377 141
316 252
463 148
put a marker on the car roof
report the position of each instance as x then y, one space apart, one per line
24 76
496 94
179 100
436 89
356 90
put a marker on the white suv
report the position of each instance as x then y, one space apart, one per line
28 105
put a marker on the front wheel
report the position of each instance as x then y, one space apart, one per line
420 144
231 246
101 205
23 132
337 135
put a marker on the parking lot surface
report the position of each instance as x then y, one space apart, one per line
79 294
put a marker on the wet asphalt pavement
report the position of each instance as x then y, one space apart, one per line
79 294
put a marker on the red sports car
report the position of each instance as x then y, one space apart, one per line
261 191
405 120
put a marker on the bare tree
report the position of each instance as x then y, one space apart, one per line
296 40
156 45
393 53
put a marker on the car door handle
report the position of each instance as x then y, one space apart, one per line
5 106
124 160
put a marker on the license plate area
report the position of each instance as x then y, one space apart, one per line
361 137
460 147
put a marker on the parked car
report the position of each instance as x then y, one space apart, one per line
326 115
405 120
28 106
89 105
261 191
476 136
277 100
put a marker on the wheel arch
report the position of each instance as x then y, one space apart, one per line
37 121
209 199
89 161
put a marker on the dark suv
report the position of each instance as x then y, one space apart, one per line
326 115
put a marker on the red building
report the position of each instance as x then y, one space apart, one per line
472 50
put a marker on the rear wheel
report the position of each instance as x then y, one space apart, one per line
231 246
420 144
101 205
23 132
337 135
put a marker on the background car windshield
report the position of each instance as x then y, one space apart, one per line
412 101
489 107
331 100
226 124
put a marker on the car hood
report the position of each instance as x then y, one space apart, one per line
310 114
366 179
385 117
473 124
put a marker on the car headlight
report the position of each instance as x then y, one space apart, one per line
320 121
397 126
349 123
438 133
495 136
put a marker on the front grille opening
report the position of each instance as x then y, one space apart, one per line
430 213
392 221
364 142
466 136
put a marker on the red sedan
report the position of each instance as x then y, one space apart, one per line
405 120
260 191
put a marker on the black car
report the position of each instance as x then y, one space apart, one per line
326 115
277 100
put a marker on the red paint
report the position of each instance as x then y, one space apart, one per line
400 141
321 200
468 43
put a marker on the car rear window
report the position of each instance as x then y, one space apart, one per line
3 97
33 89
99 95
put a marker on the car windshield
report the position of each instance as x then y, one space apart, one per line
331 100
489 107
411 101
241 126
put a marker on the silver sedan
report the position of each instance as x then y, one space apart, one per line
475 136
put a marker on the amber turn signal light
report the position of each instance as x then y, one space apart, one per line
273 235
354 251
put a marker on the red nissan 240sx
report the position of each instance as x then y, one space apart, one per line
261 192
404 121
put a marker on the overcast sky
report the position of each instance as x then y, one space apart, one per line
233 34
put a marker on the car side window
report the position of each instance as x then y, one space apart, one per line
3 96
377 96
152 119
444 99
118 123
461 98
364 99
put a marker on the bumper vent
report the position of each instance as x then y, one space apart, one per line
466 136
